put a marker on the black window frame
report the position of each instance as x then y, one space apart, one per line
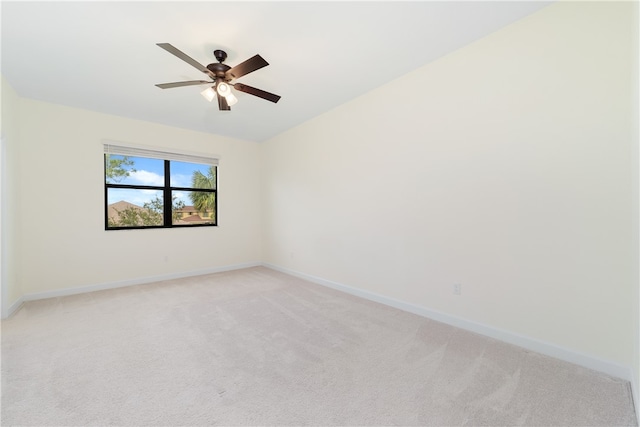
167 199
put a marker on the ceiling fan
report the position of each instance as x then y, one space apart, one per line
221 76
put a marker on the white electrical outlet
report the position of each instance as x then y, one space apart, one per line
457 289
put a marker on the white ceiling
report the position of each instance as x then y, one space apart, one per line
102 56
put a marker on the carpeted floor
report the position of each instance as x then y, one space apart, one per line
258 347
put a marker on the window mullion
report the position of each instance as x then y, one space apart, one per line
168 205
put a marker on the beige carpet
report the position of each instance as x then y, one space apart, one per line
257 347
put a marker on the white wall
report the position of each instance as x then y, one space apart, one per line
9 136
635 158
503 166
60 179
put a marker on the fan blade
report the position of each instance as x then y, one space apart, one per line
257 92
186 58
179 84
248 66
222 104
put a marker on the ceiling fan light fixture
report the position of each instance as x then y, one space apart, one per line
208 94
231 99
223 89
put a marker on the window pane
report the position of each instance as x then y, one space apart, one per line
138 200
133 170
193 207
134 208
192 175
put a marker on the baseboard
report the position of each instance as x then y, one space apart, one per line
13 308
123 283
538 346
542 347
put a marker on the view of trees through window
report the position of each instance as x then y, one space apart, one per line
144 192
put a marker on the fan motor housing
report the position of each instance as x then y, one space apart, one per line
218 69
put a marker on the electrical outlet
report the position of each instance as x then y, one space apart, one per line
457 289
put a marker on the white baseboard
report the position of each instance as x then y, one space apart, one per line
542 347
609 368
13 308
119 284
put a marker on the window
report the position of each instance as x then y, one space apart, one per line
146 188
